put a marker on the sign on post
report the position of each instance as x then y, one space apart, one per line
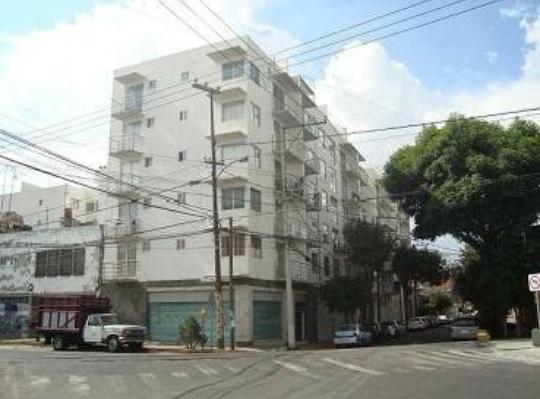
534 282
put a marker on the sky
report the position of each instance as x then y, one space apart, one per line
57 59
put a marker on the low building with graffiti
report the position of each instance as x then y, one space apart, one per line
63 260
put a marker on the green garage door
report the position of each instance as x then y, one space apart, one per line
165 317
266 320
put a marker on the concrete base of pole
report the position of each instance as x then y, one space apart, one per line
535 334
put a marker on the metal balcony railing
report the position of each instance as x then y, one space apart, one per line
121 270
126 145
130 108
288 111
292 186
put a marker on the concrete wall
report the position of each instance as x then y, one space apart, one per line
129 300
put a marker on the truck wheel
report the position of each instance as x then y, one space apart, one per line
113 344
59 343
137 347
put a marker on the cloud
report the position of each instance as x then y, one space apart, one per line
53 74
365 88
491 56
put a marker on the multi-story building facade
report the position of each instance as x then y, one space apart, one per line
287 177
51 207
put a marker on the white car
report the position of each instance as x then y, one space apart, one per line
464 328
417 323
352 335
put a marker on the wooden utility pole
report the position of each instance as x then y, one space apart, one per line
218 295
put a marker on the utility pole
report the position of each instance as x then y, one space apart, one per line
231 283
218 295
101 259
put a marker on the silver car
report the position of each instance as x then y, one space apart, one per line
464 328
352 335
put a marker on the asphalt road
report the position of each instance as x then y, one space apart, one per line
441 371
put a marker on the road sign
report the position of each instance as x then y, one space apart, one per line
534 282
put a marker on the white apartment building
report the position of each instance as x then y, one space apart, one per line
47 207
288 201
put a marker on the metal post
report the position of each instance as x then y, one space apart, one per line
231 284
101 259
217 261
538 308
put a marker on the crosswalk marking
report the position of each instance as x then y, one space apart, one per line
424 368
463 358
352 367
207 370
79 384
180 374
231 368
446 361
39 381
290 366
149 379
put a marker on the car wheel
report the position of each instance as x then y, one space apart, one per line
113 344
59 343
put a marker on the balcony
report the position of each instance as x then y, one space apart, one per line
121 271
127 187
313 237
312 166
122 229
294 150
291 186
290 229
287 111
129 109
352 168
313 202
126 147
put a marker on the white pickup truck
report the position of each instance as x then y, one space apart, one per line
83 320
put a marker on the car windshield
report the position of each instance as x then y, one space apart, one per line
465 323
347 327
109 319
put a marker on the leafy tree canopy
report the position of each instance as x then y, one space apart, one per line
345 294
473 179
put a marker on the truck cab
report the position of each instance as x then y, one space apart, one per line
106 329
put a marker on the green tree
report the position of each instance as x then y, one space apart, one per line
438 303
480 182
413 266
370 246
345 295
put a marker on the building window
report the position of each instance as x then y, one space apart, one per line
324 139
182 115
239 241
181 156
256 246
256 114
152 84
322 164
147 202
180 244
257 157
232 198
75 204
315 261
181 198
232 111
231 70
334 209
60 262
40 202
233 152
324 229
147 162
91 206
146 245
254 73
255 199
333 180
326 266
324 199
150 122
337 269
184 76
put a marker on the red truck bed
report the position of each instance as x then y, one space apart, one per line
65 313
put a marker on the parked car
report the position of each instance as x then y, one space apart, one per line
352 335
394 328
377 330
443 319
464 328
417 323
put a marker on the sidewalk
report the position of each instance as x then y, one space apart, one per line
514 344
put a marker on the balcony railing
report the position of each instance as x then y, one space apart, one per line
312 166
288 111
292 186
126 146
130 108
127 185
122 229
352 168
125 270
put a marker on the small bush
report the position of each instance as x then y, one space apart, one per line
190 333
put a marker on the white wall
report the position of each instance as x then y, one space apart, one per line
18 260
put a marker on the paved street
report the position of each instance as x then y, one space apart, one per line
451 370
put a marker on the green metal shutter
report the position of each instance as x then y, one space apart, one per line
165 318
266 320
